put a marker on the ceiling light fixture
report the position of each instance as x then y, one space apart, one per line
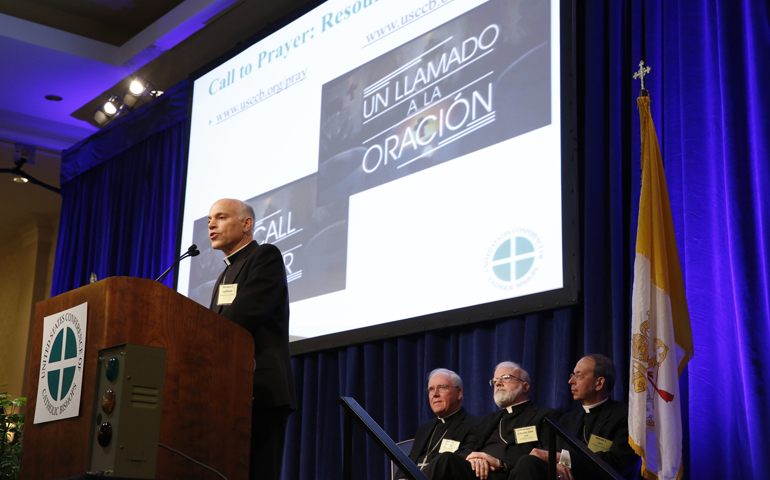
111 109
25 154
138 88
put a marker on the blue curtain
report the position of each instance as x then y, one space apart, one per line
709 60
713 114
121 193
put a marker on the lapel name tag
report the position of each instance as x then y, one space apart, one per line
227 294
448 445
526 434
599 444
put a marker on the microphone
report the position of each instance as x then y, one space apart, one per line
191 252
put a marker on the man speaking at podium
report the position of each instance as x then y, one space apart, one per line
252 292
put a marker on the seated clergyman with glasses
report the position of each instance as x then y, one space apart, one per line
601 424
501 437
451 430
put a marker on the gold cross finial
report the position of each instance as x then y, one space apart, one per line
642 72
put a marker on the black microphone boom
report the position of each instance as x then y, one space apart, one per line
191 252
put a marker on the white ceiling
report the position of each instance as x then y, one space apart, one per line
74 49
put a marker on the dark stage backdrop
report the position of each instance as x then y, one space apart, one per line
709 103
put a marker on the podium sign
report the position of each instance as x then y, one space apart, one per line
61 364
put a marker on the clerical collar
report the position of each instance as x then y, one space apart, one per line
588 408
510 409
443 419
227 258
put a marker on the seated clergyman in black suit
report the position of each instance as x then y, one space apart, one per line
253 293
601 423
452 429
501 437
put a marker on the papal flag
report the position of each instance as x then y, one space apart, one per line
661 335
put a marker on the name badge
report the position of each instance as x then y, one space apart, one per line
599 444
526 434
227 294
448 445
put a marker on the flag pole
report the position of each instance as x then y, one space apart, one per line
661 334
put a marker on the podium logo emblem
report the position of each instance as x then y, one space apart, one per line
61 365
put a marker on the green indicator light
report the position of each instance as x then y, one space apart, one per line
113 367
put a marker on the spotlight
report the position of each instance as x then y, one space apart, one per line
136 90
109 111
136 87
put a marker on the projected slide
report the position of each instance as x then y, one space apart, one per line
404 156
445 94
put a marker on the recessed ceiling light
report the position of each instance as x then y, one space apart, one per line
20 180
53 98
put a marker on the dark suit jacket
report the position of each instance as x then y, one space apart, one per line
460 429
612 424
261 306
533 415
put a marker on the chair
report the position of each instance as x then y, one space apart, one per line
406 447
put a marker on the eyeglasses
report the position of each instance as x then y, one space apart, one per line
577 376
440 388
504 379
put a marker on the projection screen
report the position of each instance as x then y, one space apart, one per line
407 157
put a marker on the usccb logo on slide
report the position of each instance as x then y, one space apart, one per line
512 260
61 366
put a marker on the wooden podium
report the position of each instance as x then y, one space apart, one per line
208 384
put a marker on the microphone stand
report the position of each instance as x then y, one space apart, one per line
191 252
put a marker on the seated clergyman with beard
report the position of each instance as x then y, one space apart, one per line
501 437
451 430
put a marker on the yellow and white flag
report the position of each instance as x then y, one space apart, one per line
661 334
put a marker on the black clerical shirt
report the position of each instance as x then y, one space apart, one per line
432 446
504 435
